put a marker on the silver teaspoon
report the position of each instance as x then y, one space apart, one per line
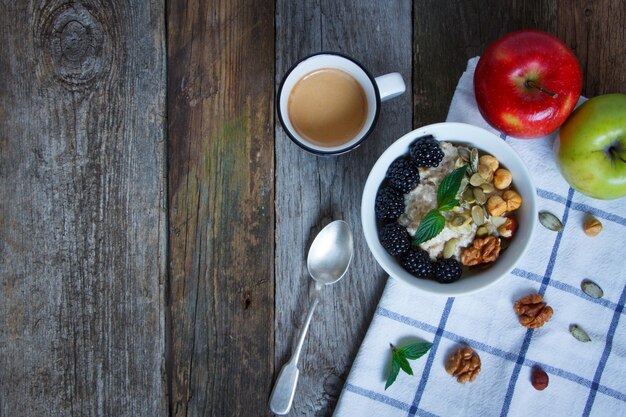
328 260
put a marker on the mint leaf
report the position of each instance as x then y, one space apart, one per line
399 357
415 350
431 225
449 203
450 185
393 374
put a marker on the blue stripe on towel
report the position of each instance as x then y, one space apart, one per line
549 195
512 357
385 399
600 213
605 354
529 333
381 311
431 356
381 398
564 287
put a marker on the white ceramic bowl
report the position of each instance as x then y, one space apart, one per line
458 133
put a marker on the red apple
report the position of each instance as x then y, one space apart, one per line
527 83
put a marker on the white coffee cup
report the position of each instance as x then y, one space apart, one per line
376 90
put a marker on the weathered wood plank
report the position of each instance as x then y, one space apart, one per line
597 34
221 179
82 212
447 33
311 191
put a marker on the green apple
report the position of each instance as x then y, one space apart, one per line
591 147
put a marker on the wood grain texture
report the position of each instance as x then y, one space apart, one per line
82 212
596 32
221 179
311 191
89 323
447 33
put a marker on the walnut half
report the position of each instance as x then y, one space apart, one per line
531 311
464 364
483 250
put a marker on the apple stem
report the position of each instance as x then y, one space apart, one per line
532 84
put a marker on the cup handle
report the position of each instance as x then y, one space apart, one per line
390 85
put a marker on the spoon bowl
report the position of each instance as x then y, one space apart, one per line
330 253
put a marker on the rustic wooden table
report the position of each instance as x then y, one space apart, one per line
154 218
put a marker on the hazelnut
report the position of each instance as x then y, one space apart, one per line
502 178
592 226
539 379
508 229
496 205
489 161
513 200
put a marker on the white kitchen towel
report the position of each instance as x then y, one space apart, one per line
585 378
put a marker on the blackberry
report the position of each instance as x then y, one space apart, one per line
425 152
394 238
417 262
447 270
403 175
389 204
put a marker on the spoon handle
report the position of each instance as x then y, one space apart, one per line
305 327
285 386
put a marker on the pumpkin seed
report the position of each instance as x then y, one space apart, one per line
480 196
592 289
450 247
476 180
473 160
498 221
550 221
488 188
461 223
579 333
459 163
468 195
478 215
458 221
466 229
485 172
464 182
464 153
482 231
